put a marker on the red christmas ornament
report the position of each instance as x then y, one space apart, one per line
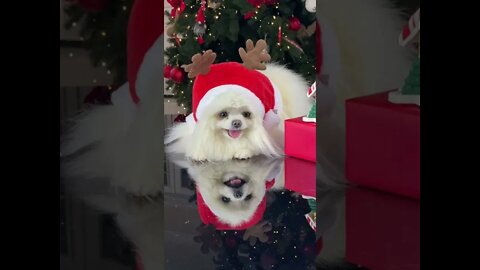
294 24
256 2
93 5
176 74
178 6
294 44
248 15
180 118
167 71
99 95
279 34
177 40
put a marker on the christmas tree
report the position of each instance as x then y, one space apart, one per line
103 32
412 83
228 24
409 93
224 26
312 114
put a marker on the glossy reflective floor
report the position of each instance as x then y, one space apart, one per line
279 237
105 228
252 214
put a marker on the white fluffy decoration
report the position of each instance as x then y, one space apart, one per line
310 5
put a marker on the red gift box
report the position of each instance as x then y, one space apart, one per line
383 144
382 230
300 139
300 176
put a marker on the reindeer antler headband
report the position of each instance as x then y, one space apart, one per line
257 90
253 58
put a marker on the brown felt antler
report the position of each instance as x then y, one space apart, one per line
200 64
255 57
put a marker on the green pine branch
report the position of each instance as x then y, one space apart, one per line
104 35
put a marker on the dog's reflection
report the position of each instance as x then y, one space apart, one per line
232 194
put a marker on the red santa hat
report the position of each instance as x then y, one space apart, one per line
145 29
144 56
235 78
208 217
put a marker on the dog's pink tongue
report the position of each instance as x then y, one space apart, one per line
235 182
234 133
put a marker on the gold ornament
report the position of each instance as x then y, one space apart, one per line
214 4
171 29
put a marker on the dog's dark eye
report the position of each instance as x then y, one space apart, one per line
246 114
249 197
225 199
223 114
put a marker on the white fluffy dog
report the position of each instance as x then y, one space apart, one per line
233 190
232 127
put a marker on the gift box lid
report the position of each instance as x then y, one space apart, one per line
298 120
380 100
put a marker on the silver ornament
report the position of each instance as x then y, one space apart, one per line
199 29
214 4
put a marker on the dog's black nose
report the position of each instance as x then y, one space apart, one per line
236 123
237 194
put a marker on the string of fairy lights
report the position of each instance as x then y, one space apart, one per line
76 24
95 80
